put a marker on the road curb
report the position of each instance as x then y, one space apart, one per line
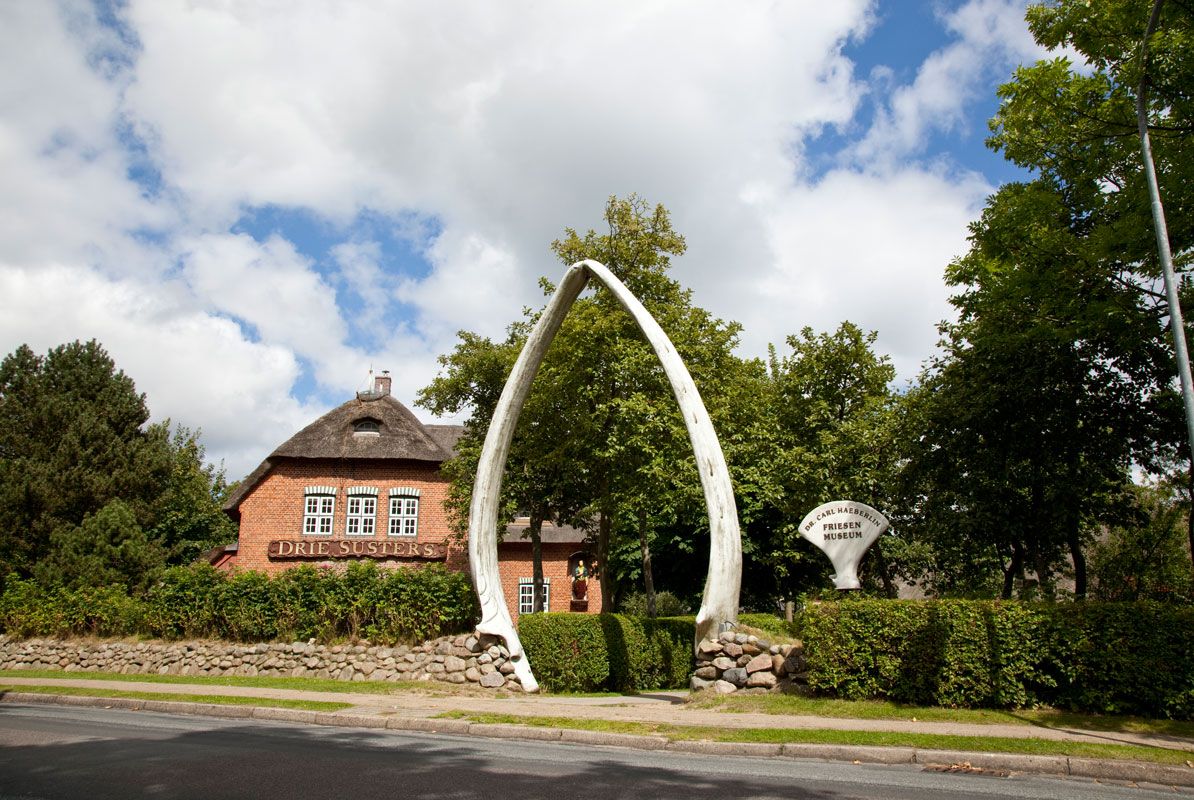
840 752
1134 771
706 747
580 736
426 725
1094 769
996 762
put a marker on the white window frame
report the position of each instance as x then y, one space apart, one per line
526 595
404 513
360 515
367 427
319 510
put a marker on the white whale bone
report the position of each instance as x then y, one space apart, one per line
719 605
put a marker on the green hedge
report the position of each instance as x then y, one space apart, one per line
608 652
28 609
363 601
1126 658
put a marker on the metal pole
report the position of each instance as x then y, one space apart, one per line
1176 325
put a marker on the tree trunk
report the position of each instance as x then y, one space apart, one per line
648 578
1013 569
604 523
1079 558
889 587
1190 510
1044 581
536 529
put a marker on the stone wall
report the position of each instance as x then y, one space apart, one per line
738 662
469 659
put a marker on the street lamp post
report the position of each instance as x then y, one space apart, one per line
1176 325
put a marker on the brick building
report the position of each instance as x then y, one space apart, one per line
363 482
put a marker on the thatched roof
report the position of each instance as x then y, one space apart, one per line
399 435
446 436
550 533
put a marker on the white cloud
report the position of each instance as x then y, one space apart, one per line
64 194
363 278
870 249
196 369
992 40
502 124
268 285
506 126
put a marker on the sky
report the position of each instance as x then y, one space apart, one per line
251 204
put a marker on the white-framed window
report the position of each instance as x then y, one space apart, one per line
361 515
319 508
526 595
366 427
404 512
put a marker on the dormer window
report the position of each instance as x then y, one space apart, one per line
366 427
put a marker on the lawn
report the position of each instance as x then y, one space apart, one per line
794 705
181 697
920 741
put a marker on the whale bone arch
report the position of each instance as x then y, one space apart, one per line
719 604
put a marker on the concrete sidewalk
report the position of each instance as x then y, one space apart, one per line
417 711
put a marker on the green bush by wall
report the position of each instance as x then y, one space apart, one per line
1129 658
199 602
28 609
608 652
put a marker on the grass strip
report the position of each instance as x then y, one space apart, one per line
217 699
922 741
877 709
255 681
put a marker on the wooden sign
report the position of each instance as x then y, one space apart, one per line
315 549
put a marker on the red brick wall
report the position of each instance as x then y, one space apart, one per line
514 561
274 510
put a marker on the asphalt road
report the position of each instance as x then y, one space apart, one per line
54 752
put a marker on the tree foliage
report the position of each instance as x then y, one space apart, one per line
108 548
600 441
1056 379
826 422
188 516
90 491
73 437
1144 557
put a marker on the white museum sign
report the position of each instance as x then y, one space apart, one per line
844 530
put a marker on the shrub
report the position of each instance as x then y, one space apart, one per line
666 605
29 609
670 659
245 609
301 603
567 651
182 605
1094 657
300 598
1126 658
418 604
611 652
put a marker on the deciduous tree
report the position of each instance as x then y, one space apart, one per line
600 437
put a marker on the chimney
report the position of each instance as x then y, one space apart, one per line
381 383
